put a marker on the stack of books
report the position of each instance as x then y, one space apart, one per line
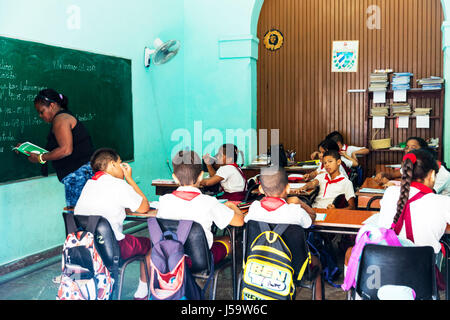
432 83
401 109
401 81
422 111
379 81
379 111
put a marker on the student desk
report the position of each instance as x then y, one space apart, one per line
364 197
342 221
385 168
253 170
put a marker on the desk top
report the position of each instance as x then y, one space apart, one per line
344 217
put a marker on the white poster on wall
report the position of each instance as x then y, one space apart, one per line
345 56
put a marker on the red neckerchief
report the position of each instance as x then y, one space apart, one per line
185 195
272 203
327 177
98 174
344 147
405 217
439 165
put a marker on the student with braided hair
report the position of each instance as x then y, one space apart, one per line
413 210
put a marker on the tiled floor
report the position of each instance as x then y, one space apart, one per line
39 286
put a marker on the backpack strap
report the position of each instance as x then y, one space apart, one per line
70 222
280 228
155 230
183 229
92 223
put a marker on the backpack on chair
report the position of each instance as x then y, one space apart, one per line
170 277
268 271
84 275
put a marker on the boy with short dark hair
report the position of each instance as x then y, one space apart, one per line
332 183
277 208
188 203
109 196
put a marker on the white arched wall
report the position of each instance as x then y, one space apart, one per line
446 72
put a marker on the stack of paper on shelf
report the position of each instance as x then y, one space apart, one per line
378 82
401 81
379 111
432 83
401 109
422 111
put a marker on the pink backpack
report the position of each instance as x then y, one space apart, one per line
367 235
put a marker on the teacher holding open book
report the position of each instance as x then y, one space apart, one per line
69 144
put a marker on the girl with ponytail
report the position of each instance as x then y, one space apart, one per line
227 173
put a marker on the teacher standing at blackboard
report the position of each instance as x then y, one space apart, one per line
69 144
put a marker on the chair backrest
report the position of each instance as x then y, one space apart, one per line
381 265
105 241
294 237
196 245
340 202
371 201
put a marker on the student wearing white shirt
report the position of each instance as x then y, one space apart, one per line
349 151
429 214
412 143
229 174
332 183
277 208
108 195
413 210
188 203
325 146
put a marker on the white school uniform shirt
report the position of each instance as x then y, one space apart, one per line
442 183
429 216
333 190
232 179
203 209
323 171
350 149
108 197
289 213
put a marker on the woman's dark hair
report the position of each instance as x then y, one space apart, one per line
422 142
231 151
412 172
329 144
47 96
101 158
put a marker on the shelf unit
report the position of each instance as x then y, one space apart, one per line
417 98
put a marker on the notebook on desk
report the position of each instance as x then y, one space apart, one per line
371 190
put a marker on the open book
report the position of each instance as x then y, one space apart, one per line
29 147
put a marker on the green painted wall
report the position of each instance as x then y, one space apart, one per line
212 80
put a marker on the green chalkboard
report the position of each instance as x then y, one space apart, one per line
99 91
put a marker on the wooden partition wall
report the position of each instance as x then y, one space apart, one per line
298 93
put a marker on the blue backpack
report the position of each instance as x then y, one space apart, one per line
170 277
